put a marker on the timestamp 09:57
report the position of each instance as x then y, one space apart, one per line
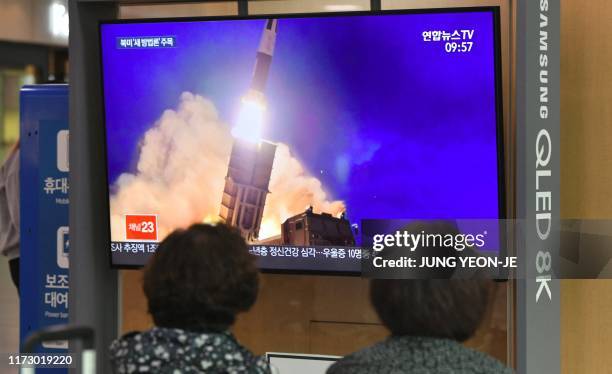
458 47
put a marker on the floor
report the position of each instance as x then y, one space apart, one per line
9 313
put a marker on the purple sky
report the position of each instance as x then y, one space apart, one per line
394 126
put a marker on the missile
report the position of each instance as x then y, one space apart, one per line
263 59
250 119
251 160
252 112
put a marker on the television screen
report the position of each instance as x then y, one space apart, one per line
294 129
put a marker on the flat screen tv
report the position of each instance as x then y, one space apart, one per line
296 128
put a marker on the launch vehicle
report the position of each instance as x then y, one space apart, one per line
251 159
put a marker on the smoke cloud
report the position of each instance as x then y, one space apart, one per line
180 175
293 190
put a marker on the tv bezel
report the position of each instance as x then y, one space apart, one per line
501 156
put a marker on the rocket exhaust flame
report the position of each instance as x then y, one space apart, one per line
250 120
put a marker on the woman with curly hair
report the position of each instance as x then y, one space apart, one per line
196 283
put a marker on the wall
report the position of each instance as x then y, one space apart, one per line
586 174
28 21
213 8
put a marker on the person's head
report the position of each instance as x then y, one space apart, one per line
433 305
200 278
441 308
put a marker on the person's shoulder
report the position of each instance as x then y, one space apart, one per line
11 163
370 359
261 365
125 340
477 362
419 356
9 170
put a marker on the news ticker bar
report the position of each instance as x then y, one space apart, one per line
411 249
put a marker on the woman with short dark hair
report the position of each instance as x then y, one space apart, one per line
428 319
196 283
